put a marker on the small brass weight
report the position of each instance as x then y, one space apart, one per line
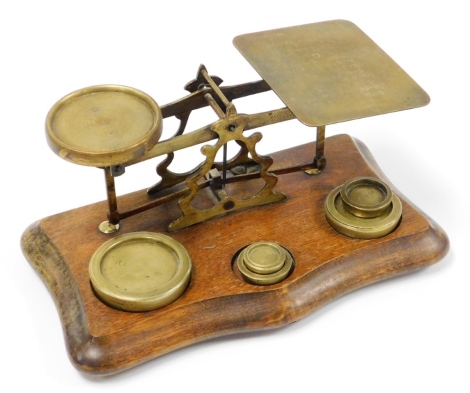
244 243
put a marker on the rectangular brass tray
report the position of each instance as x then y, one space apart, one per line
330 72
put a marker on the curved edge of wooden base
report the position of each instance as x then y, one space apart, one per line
51 267
221 316
357 270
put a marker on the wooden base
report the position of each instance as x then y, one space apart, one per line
102 340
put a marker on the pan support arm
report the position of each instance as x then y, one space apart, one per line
205 91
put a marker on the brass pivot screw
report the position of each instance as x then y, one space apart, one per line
264 263
363 208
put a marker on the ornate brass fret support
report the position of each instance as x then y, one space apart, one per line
169 178
228 129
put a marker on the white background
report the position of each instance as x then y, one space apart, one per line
407 334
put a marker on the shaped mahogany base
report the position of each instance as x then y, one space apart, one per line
102 340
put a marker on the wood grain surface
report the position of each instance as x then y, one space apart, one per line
102 340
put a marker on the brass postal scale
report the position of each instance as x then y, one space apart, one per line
240 243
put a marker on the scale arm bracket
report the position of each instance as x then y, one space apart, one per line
206 134
196 99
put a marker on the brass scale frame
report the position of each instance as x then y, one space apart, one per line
324 72
205 91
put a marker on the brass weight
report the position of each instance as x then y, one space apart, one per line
363 208
140 271
264 263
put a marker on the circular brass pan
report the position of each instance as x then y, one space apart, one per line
357 227
366 197
103 125
140 271
264 263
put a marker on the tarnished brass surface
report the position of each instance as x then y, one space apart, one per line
229 128
366 197
103 125
372 209
264 263
319 162
206 134
140 271
330 72
324 72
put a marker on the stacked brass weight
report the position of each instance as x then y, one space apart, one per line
264 263
363 208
